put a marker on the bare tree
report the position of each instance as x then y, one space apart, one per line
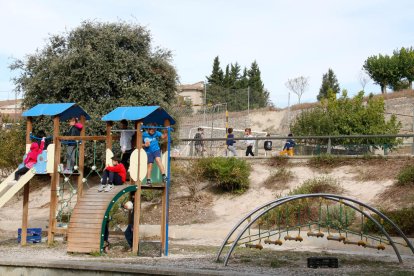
298 85
363 79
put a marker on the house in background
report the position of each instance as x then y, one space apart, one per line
193 93
10 110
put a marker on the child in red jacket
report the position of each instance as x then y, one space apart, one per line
112 175
30 159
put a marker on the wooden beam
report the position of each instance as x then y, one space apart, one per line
81 157
25 216
137 199
54 182
164 197
108 135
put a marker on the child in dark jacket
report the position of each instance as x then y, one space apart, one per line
74 130
289 146
31 159
230 142
113 175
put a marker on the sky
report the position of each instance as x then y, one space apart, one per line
288 39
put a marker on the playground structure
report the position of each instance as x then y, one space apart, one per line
323 215
85 222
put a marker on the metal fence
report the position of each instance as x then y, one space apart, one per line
400 144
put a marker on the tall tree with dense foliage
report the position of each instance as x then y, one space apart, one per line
405 58
383 70
233 87
348 116
100 66
329 82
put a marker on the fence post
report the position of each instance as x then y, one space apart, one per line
412 147
256 147
329 146
385 149
191 148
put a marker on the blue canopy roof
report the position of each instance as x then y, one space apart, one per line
148 114
65 111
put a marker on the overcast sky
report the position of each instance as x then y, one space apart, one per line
287 38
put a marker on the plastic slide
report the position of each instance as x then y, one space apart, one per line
9 191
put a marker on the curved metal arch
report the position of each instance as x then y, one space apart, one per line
243 220
128 189
327 196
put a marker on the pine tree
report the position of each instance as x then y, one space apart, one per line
216 77
329 81
258 97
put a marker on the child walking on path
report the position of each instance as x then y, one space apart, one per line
30 160
112 175
289 146
152 148
230 142
249 143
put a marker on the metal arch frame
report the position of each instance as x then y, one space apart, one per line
127 189
243 220
332 197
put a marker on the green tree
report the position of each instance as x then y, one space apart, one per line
100 66
216 77
259 97
405 58
348 116
329 81
383 70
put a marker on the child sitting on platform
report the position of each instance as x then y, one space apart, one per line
30 160
112 175
152 148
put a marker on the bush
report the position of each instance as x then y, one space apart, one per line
282 175
325 160
12 148
228 174
406 176
404 218
324 184
278 161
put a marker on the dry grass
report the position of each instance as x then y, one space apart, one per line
279 179
396 197
279 161
378 169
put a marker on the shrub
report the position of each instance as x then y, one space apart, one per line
279 161
282 175
228 174
325 161
324 184
406 176
404 218
12 149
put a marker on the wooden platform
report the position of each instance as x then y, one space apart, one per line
85 227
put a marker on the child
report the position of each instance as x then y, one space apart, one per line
125 141
112 175
289 146
30 160
199 143
249 143
74 130
152 148
230 142
267 145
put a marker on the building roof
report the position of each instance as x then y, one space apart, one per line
65 111
198 86
148 114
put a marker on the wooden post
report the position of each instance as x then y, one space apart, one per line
29 128
109 135
81 157
54 182
164 197
137 199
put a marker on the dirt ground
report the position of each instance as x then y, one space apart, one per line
199 222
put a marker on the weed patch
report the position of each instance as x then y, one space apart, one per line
281 176
406 176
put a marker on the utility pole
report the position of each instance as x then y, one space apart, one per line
205 101
289 110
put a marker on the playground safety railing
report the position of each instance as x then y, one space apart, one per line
385 144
